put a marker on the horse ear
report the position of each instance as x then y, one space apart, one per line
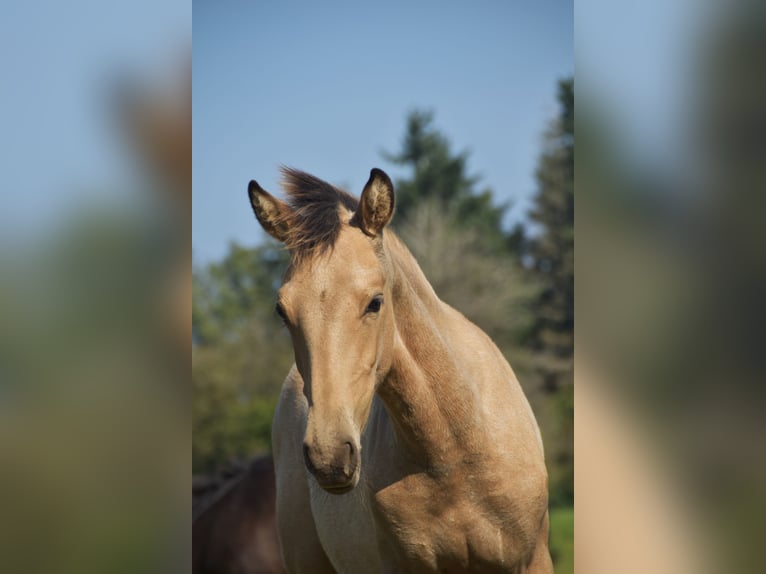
270 212
376 207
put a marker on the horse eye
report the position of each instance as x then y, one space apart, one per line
374 305
280 311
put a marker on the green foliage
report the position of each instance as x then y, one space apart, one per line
228 426
227 295
236 385
552 250
551 253
240 358
557 426
562 539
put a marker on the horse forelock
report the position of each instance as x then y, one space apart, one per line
313 219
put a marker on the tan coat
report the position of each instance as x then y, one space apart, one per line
402 440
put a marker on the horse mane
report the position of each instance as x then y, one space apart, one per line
313 219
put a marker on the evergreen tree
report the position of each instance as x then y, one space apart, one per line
550 254
440 176
552 250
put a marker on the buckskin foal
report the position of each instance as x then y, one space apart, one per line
402 439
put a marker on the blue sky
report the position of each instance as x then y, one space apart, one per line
325 86
61 148
636 62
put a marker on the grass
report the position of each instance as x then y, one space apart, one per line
562 540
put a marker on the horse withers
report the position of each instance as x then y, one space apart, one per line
402 439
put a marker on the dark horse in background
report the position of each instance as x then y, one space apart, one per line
234 522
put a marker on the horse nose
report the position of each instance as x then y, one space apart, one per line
343 461
335 468
307 459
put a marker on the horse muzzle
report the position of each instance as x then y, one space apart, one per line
337 472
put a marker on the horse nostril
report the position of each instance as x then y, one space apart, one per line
341 467
349 464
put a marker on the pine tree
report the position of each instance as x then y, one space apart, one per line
552 250
440 176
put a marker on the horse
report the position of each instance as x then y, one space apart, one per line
402 439
235 532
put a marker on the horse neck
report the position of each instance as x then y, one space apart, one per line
425 394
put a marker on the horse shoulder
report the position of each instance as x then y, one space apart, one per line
510 486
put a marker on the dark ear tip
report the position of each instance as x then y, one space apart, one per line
253 188
377 173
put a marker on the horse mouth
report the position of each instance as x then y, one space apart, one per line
338 475
338 489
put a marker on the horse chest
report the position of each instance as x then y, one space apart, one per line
428 527
408 526
346 529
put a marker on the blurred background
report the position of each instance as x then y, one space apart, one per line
670 281
95 262
95 257
470 109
